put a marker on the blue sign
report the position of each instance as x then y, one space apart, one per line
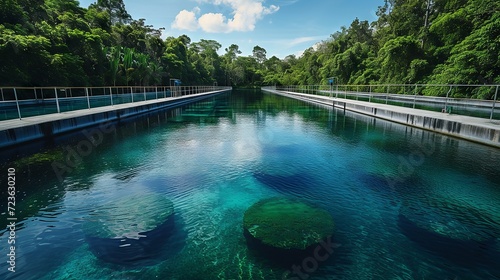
177 82
330 81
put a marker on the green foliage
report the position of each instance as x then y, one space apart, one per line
11 13
437 41
23 57
395 58
115 9
474 60
57 42
259 54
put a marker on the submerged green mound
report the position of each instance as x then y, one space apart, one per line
41 158
446 220
129 216
287 224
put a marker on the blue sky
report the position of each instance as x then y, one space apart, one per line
282 27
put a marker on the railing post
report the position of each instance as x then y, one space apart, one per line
145 98
57 101
387 95
415 97
110 95
156 91
494 103
34 91
336 91
132 94
446 101
88 99
1 89
17 103
370 95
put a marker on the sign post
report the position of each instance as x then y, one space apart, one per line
331 81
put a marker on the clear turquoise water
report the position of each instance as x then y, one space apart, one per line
407 204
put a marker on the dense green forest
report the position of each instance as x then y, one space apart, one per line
59 43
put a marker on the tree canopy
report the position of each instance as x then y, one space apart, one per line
59 43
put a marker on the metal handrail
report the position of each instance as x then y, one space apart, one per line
343 91
106 95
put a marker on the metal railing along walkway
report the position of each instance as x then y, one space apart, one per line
22 102
411 96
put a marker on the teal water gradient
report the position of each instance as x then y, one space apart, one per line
382 183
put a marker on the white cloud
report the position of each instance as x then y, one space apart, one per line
316 46
245 14
299 53
286 2
186 20
213 23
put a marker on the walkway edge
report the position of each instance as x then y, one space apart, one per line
13 132
473 129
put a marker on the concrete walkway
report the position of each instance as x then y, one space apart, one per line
16 131
479 130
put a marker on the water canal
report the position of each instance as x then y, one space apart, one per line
406 203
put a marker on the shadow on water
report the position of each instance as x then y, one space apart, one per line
451 232
52 245
286 258
151 248
295 184
392 187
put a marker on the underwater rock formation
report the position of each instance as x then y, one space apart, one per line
130 229
455 232
287 224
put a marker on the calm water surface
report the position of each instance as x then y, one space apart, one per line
407 204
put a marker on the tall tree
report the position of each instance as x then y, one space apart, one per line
259 54
116 10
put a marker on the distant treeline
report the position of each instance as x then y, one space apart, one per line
59 43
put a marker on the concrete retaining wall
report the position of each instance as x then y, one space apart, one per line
464 127
61 124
